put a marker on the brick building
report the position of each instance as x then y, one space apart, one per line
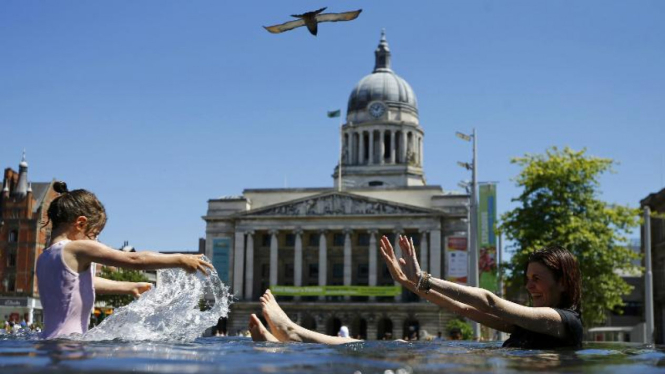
23 207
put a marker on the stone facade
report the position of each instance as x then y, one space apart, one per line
329 236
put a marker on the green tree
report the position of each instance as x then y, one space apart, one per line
123 275
560 205
464 327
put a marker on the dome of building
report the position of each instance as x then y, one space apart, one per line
382 85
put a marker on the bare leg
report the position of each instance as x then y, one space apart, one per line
259 332
287 331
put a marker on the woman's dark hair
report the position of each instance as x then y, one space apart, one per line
70 205
564 266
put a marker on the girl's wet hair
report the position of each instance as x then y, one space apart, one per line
564 267
70 205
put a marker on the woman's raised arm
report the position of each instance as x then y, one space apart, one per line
484 305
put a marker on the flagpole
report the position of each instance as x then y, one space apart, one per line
333 114
341 150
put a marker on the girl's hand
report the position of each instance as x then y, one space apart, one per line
192 263
140 287
409 262
393 264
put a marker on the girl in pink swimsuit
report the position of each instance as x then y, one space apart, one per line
65 271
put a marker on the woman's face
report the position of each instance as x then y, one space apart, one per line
545 291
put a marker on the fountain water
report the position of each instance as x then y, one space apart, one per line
168 312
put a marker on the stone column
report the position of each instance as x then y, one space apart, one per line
398 325
347 259
382 147
424 255
361 148
297 261
392 147
372 328
273 257
396 247
238 263
402 156
373 271
420 152
323 261
435 253
249 267
371 147
350 146
398 255
31 313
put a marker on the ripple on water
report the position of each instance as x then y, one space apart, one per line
241 355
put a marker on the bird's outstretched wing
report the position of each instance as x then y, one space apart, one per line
309 13
335 17
285 26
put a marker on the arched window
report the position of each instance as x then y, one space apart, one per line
399 145
411 329
333 325
346 151
13 236
359 328
308 322
386 146
384 330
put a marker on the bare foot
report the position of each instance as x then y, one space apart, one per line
259 332
280 324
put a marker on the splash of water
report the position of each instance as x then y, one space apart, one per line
170 311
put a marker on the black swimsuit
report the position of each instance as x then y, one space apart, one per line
526 339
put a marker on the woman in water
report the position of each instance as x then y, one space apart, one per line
552 279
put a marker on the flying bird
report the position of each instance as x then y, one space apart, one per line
312 19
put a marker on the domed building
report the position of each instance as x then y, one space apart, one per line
382 139
317 248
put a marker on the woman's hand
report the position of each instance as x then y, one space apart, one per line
192 263
394 266
138 288
409 261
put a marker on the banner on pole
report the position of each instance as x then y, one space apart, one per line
456 269
487 270
221 253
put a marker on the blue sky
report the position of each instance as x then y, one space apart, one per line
158 106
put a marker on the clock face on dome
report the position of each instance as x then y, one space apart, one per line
376 110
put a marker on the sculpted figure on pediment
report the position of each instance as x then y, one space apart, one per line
360 207
301 209
334 205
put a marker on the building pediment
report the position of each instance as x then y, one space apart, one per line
337 204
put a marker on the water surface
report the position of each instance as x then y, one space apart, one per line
241 355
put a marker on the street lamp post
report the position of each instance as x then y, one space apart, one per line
648 277
473 207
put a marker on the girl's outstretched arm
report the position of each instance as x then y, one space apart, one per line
88 251
105 286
